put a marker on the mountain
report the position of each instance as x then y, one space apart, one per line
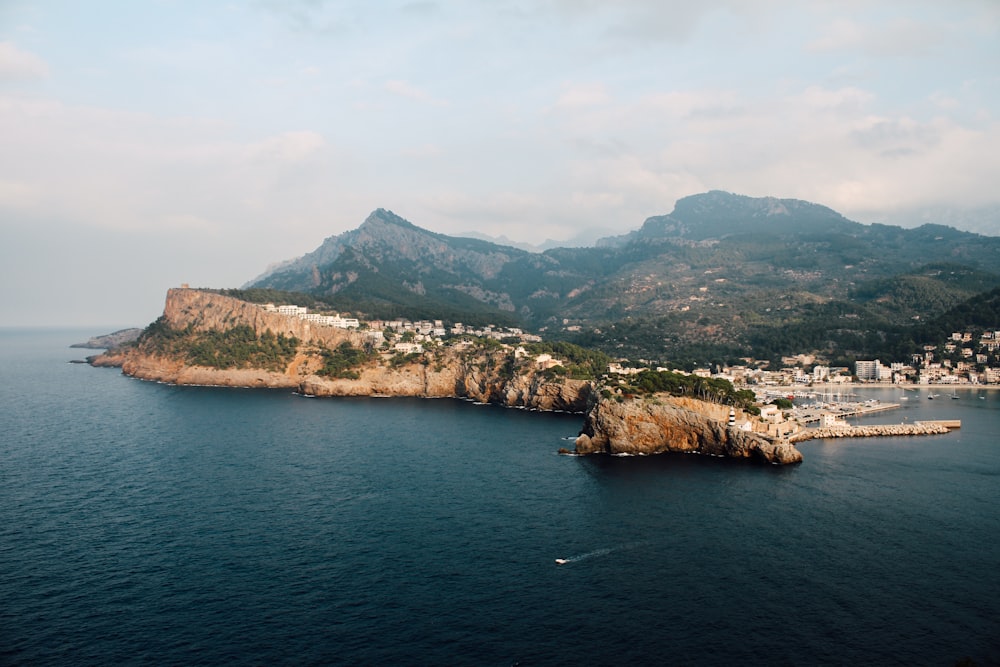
717 214
721 272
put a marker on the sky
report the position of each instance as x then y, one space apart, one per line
150 143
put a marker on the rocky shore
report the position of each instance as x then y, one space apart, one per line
672 424
483 374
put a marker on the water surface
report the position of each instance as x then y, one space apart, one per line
145 523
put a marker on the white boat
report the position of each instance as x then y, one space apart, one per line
561 561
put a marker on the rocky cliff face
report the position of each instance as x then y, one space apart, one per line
668 424
445 372
207 311
483 374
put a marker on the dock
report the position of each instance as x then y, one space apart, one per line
874 430
949 424
809 415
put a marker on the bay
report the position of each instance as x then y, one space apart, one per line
146 523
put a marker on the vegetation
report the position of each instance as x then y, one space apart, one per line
237 347
721 278
716 390
581 363
343 361
401 359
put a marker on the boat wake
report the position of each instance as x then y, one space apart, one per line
597 552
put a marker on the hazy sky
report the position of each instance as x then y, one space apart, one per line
146 143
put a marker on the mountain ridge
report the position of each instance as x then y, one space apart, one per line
715 270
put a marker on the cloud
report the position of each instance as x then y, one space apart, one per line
900 37
633 23
837 146
17 194
577 96
287 147
897 137
411 92
18 65
141 173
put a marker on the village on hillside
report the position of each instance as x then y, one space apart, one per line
928 368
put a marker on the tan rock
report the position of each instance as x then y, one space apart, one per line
669 424
637 426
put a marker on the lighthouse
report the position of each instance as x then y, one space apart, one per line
732 417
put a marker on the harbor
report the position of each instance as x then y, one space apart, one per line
830 421
872 431
814 413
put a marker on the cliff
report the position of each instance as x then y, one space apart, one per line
479 373
299 355
671 424
111 340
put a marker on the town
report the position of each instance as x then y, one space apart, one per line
413 335
962 360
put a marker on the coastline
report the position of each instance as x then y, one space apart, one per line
831 386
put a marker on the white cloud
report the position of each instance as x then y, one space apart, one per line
580 96
17 65
140 173
287 147
411 92
17 194
900 37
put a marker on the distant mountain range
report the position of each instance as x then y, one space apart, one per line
721 274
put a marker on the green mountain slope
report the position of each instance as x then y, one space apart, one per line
726 273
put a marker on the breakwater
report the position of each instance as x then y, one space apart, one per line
873 430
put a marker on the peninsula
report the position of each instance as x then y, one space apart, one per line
208 338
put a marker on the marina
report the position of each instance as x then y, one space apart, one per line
813 413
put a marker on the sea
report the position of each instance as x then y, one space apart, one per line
144 523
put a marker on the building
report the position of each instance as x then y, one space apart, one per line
872 371
866 370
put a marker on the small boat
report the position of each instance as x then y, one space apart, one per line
561 561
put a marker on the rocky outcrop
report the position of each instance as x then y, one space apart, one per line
478 374
668 424
486 374
206 311
112 340
456 376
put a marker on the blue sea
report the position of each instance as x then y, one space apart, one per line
142 523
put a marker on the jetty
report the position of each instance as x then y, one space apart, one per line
875 430
806 415
947 423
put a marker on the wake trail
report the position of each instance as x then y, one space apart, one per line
598 552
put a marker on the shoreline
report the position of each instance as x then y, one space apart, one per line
831 386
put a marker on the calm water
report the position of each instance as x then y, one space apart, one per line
143 523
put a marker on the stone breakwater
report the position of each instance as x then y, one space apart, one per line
874 430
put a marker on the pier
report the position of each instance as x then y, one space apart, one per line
813 414
947 423
874 430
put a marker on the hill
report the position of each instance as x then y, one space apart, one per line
721 275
